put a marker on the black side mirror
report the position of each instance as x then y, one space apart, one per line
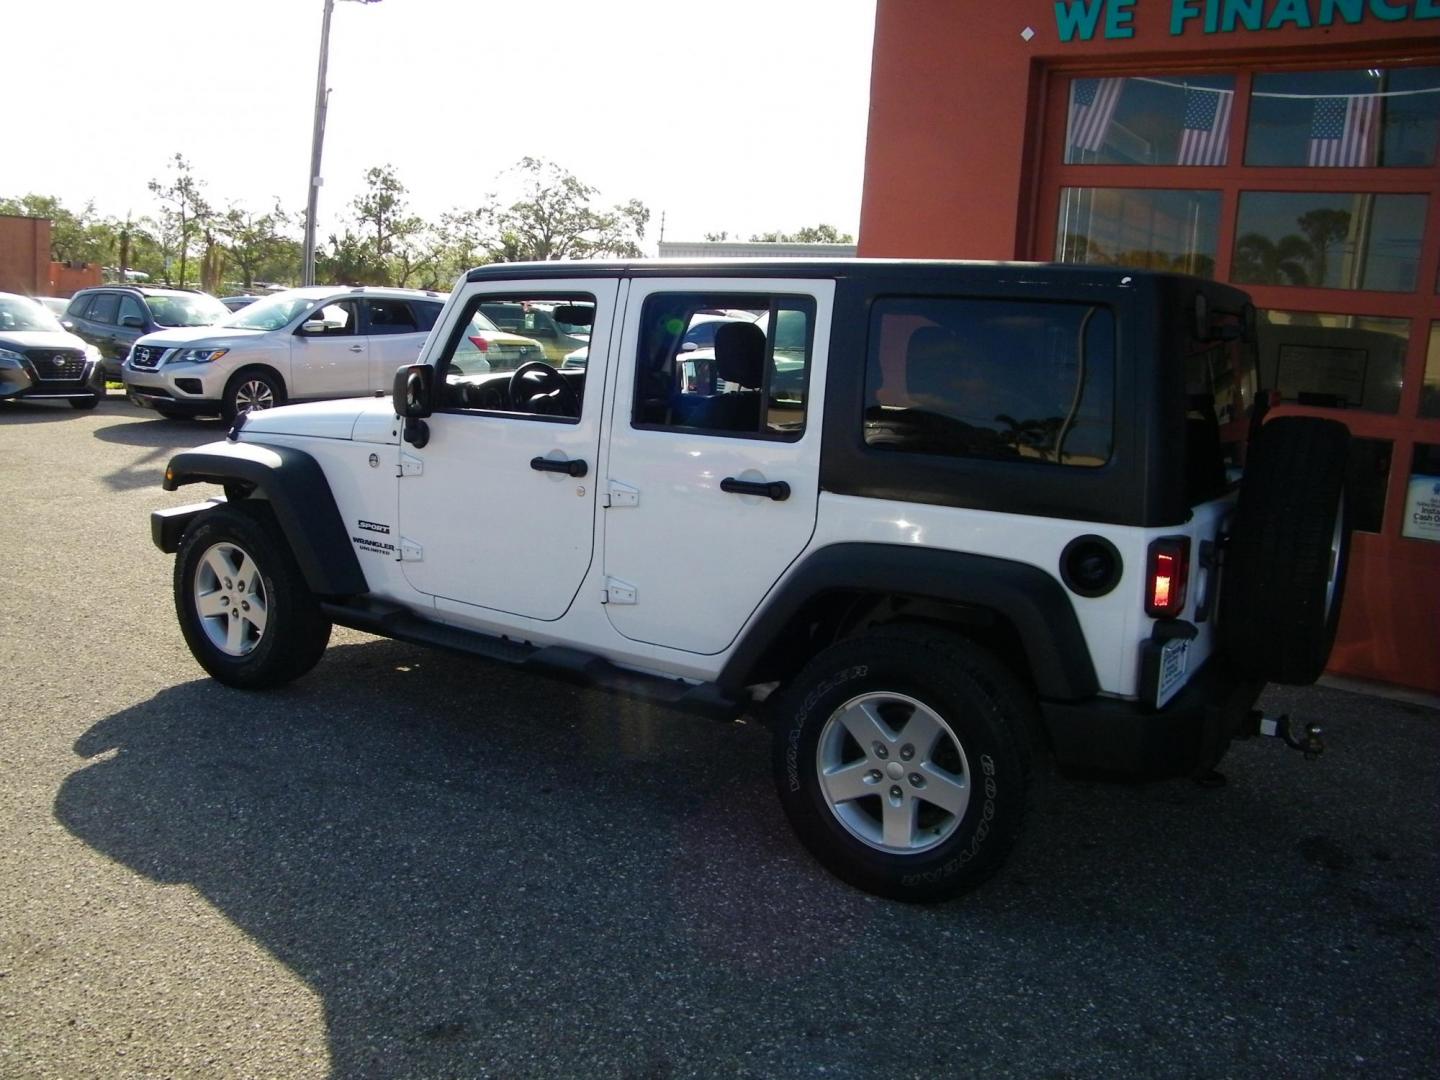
134 321
414 384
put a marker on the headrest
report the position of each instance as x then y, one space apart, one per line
740 354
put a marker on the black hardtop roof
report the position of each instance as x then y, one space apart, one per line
872 271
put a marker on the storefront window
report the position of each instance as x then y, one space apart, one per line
1422 495
1356 119
1334 361
1150 120
1430 392
1367 474
1146 229
1329 240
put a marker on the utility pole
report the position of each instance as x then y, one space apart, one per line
317 141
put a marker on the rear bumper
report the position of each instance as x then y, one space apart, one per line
1187 737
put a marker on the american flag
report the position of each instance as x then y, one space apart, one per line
1205 138
1343 130
1092 104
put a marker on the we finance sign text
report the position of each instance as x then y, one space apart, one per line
1084 20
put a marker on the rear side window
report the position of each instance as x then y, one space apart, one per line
1013 380
390 317
425 314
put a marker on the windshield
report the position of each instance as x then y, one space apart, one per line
186 310
272 313
18 313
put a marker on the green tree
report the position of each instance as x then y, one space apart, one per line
257 241
184 213
460 242
384 246
817 234
350 260
554 219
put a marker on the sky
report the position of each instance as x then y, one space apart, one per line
744 116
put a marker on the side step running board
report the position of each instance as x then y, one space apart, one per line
572 665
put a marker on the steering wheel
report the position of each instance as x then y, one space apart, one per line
550 381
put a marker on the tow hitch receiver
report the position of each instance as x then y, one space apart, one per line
1306 739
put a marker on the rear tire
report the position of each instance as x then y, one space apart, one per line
243 604
1289 547
902 759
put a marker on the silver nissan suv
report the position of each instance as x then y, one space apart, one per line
305 344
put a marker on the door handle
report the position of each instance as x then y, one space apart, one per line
778 490
357 348
569 468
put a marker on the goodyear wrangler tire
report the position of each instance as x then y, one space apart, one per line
1284 576
242 601
902 759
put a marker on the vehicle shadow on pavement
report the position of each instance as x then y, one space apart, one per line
155 442
163 432
44 412
484 872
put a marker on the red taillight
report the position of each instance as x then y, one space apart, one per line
479 342
1169 573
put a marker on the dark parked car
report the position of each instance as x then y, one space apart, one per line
112 317
235 303
40 360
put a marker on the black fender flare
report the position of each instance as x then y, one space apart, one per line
294 485
1032 600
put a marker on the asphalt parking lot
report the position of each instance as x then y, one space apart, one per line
411 865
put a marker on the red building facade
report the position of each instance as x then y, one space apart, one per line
1289 146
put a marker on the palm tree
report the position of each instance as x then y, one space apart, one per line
1261 261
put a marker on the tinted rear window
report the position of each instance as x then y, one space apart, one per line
1013 380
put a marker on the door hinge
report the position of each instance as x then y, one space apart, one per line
411 466
411 551
617 592
618 494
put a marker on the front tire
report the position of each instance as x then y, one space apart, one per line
243 604
902 759
251 391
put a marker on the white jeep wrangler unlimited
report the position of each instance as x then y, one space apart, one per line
929 519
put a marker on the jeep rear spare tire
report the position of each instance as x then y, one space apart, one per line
1289 545
902 761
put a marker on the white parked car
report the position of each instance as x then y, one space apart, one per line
303 344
